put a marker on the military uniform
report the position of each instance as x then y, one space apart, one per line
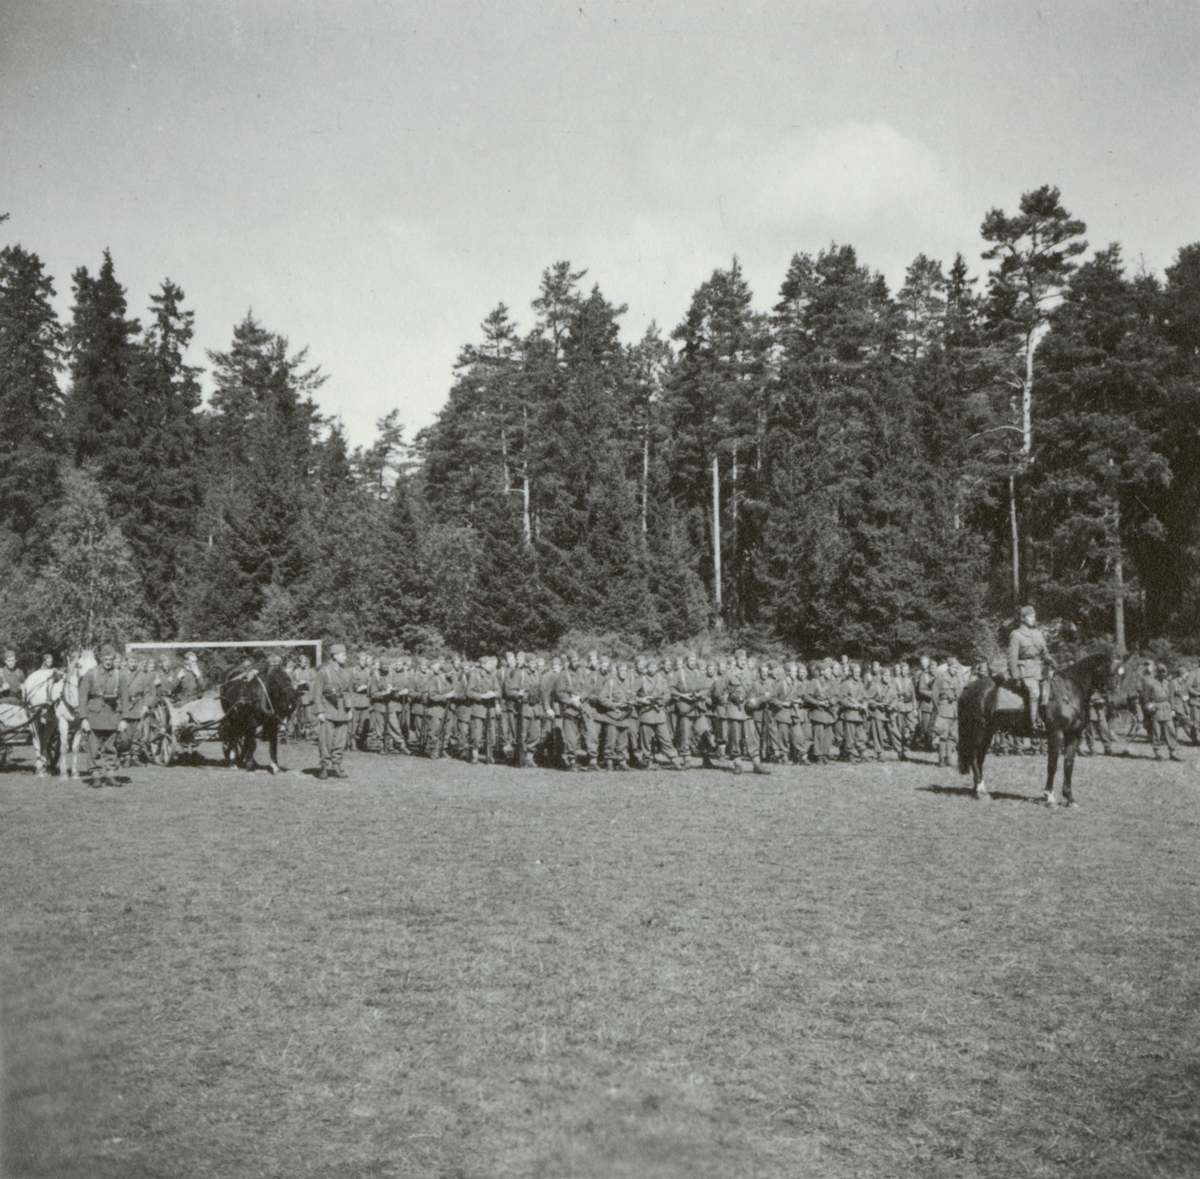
852 710
615 712
1028 657
483 693
651 695
946 690
926 709
569 695
331 689
819 699
903 707
101 707
379 691
1156 705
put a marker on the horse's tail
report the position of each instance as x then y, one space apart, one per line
972 722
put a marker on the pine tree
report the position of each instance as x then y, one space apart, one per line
716 404
31 440
90 587
104 364
1034 248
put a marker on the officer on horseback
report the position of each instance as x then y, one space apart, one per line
1028 659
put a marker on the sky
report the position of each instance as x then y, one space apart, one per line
371 179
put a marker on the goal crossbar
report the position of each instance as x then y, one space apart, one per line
245 644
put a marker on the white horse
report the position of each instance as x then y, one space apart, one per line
58 693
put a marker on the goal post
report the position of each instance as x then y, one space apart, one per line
243 644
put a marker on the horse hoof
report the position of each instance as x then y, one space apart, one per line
1072 805
982 794
1051 801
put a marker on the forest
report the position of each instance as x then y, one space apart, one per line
853 469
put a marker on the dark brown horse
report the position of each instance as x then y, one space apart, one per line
1065 715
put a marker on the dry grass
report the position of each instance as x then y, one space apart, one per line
442 971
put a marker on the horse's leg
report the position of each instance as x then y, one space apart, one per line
989 731
64 745
271 732
1054 741
1072 746
35 736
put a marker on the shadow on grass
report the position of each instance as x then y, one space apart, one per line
968 792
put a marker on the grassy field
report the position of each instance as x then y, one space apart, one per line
438 970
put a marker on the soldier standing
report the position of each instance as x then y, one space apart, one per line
926 711
903 707
101 706
380 692
331 699
946 689
1156 705
852 710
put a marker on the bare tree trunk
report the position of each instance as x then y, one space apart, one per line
1119 585
526 522
716 532
1016 547
733 547
1027 400
645 468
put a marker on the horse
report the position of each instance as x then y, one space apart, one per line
253 705
983 712
58 730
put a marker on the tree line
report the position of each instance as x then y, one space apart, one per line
854 469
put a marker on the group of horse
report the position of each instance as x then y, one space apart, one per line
245 708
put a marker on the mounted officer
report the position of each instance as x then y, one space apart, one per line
1028 660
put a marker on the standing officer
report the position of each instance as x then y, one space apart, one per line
360 702
926 711
947 686
379 689
331 691
1156 704
100 705
1028 658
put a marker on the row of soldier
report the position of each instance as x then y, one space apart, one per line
598 713
601 713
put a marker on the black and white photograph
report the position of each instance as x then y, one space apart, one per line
599 589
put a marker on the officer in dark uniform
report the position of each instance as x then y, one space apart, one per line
101 706
331 689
